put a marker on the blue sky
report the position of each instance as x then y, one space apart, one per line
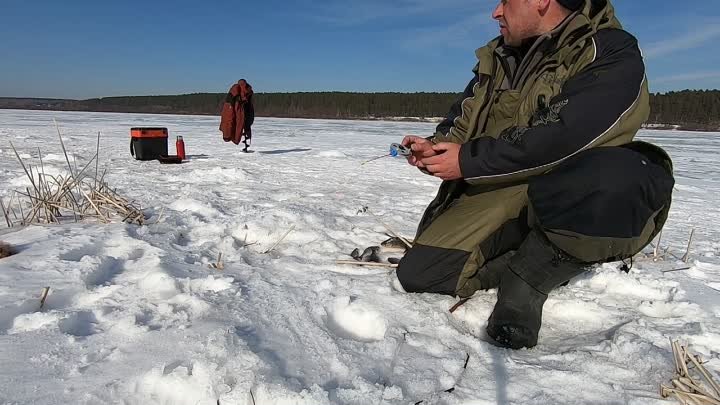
84 49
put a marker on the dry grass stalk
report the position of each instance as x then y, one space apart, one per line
10 206
22 214
708 377
98 195
687 397
9 209
687 251
95 207
682 356
162 211
692 385
23 165
219 264
79 195
688 388
664 255
97 158
281 239
656 256
43 296
368 264
5 214
676 357
62 144
678 269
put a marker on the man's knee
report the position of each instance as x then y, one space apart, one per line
604 196
600 187
431 269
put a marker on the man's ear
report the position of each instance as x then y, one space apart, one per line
543 5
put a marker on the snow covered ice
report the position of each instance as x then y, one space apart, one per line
137 316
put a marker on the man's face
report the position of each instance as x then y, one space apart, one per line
519 20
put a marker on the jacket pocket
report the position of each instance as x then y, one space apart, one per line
503 112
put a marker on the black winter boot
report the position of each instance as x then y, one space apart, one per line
536 268
516 319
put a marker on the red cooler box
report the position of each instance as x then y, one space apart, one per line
148 143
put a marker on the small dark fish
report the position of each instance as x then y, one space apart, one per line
371 254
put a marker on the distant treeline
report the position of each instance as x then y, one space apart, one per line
691 109
291 105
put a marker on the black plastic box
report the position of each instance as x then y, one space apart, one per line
148 143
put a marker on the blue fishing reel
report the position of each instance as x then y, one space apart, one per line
397 149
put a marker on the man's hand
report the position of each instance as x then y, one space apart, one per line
446 162
421 148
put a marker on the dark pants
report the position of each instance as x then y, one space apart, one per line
247 136
603 204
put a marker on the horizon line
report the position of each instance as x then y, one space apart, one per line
291 92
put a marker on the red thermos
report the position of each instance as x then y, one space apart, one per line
180 147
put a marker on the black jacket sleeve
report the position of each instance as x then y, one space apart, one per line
587 109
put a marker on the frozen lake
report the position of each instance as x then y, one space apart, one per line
136 316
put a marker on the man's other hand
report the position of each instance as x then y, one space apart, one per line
446 162
421 149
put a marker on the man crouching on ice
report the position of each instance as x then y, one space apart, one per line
541 174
